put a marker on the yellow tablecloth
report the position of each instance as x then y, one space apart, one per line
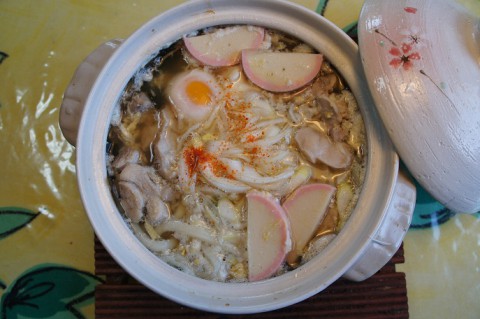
46 241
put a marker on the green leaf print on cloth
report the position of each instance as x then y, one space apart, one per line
48 291
13 219
3 56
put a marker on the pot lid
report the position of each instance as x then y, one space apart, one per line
425 81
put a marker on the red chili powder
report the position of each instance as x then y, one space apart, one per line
237 122
196 157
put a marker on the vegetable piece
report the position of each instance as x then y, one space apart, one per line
344 197
251 177
225 184
268 235
317 245
306 208
280 71
223 47
183 229
228 213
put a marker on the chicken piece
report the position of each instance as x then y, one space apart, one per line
316 146
157 211
338 134
165 146
142 190
325 84
140 102
131 200
125 156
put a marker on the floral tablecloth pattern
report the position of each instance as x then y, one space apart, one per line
46 241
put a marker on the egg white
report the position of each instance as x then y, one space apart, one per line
185 105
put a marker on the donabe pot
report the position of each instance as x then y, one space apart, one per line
372 234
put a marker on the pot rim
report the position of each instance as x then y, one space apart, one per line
110 226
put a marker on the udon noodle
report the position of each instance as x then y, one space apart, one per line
182 159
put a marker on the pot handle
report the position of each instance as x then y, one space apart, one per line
388 238
79 88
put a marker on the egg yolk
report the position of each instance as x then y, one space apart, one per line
199 93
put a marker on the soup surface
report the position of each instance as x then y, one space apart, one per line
236 154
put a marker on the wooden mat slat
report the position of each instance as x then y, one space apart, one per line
383 296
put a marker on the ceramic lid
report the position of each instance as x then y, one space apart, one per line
423 72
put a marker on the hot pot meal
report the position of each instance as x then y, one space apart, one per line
237 153
231 159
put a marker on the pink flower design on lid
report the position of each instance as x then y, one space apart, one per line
410 10
413 36
403 57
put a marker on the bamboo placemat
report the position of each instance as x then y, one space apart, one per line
382 296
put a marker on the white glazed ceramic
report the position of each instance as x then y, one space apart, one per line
370 237
422 62
79 87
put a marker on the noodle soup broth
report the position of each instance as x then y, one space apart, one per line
241 166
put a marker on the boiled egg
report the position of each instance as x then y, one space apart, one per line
194 94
